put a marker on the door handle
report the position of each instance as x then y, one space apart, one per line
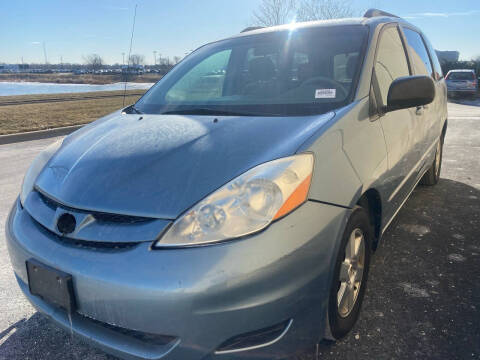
419 110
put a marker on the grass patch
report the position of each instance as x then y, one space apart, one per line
79 95
30 117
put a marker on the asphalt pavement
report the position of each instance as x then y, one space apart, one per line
423 295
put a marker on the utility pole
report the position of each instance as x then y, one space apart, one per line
123 58
154 57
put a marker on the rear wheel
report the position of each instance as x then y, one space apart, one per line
350 275
432 175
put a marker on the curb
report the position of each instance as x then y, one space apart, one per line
37 135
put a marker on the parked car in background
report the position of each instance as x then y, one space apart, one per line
461 82
232 211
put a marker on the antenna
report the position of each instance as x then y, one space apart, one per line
129 54
45 53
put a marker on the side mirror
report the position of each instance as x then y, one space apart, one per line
410 91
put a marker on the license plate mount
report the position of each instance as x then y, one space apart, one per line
52 285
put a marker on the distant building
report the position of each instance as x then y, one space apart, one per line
447 56
13 68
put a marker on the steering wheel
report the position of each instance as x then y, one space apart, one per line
326 81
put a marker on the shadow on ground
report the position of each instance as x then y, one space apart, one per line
465 100
38 338
422 300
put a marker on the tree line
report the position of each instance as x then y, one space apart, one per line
473 64
279 12
95 62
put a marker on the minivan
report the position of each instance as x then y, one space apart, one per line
232 211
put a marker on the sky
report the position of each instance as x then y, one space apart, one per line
71 30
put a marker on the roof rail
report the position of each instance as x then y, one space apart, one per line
376 13
251 28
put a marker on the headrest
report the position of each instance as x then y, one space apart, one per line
261 68
351 66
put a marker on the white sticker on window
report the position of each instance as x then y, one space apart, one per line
325 93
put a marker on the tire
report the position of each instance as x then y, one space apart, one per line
432 175
342 313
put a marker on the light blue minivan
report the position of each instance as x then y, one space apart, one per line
232 211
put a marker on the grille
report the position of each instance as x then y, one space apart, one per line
100 216
84 244
155 339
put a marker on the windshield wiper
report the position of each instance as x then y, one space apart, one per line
136 110
132 110
208 111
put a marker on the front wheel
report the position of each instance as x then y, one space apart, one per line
432 175
350 275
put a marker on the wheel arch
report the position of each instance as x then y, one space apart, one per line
371 201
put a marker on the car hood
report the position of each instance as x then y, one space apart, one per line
160 165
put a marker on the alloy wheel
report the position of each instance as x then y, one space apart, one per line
351 273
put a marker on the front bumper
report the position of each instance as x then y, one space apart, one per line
198 297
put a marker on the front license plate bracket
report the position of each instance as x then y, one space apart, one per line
52 285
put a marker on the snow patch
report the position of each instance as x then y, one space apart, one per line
456 257
414 291
417 229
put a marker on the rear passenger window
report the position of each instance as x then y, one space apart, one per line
436 64
391 63
420 59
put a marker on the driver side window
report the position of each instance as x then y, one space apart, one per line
390 64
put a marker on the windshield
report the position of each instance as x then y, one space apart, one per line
457 75
287 73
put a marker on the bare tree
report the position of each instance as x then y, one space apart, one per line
176 59
274 12
93 61
136 60
164 61
310 10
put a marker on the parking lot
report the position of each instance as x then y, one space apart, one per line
423 296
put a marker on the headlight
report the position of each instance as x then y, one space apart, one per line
245 205
35 169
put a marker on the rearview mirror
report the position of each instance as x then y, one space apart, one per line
410 91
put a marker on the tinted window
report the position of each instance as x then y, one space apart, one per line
292 72
391 62
421 61
464 75
436 64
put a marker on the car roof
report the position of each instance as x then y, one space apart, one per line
462 70
379 18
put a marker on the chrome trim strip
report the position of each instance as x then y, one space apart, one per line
405 179
257 346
